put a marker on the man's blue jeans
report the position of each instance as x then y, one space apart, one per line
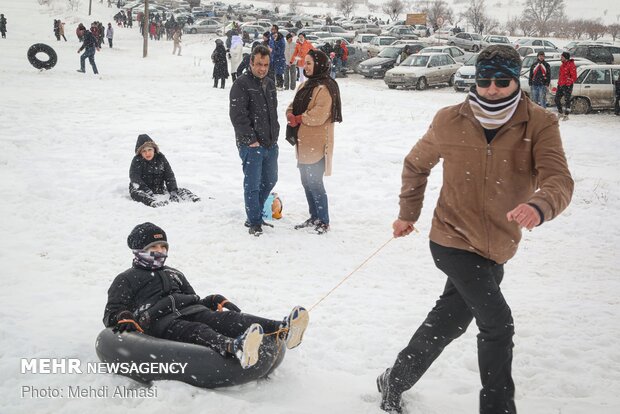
312 180
260 170
90 54
539 95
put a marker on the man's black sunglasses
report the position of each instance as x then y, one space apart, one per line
500 83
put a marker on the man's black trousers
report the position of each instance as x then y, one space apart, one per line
214 329
471 291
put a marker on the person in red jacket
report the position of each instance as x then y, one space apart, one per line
568 76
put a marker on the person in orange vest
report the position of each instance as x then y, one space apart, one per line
301 50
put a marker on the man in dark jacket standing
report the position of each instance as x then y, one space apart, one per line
507 172
254 115
3 26
568 76
540 77
89 45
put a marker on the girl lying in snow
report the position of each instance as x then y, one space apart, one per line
149 172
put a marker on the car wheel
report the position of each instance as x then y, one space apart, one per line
422 84
451 81
475 48
391 86
580 106
457 89
193 31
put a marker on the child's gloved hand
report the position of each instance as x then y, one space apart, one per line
174 197
217 302
125 323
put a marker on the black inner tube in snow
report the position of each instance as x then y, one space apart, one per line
205 367
52 58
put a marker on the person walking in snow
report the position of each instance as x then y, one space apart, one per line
220 63
311 117
539 79
176 40
160 301
507 172
150 174
290 73
110 34
277 44
254 116
566 79
236 55
3 26
61 30
89 45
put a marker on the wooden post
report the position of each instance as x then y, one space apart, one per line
90 6
145 45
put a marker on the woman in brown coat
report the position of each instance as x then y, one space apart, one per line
311 117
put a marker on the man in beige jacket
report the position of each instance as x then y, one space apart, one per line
504 169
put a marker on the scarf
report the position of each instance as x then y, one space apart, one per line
540 67
493 114
322 68
149 260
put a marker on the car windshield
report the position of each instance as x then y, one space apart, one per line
338 30
476 36
471 61
415 60
499 40
390 52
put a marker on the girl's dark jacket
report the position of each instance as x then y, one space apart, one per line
155 298
220 68
151 175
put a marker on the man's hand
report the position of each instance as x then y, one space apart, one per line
402 228
254 144
525 216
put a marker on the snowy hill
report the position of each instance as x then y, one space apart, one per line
67 140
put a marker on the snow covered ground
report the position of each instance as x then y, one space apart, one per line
67 140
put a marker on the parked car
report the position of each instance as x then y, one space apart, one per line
417 44
369 28
457 54
401 32
339 31
571 45
594 88
421 70
597 53
203 26
534 42
554 64
528 50
379 43
466 41
495 40
419 29
377 66
363 40
465 76
264 24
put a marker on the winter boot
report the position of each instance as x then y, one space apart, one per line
215 83
264 223
321 228
247 345
308 223
161 203
223 82
256 230
296 323
390 401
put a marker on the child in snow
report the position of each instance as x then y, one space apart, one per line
159 300
149 172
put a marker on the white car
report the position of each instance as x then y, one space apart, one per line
363 40
378 43
495 40
457 53
465 76
554 64
421 70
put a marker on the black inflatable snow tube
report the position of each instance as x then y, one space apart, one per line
205 367
52 58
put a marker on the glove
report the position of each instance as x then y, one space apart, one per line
156 204
174 196
217 302
126 323
149 192
293 120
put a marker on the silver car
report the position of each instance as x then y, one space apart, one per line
379 43
203 26
495 40
554 64
594 88
466 41
457 54
465 76
421 70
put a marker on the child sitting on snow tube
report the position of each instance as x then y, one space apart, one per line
150 174
159 301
